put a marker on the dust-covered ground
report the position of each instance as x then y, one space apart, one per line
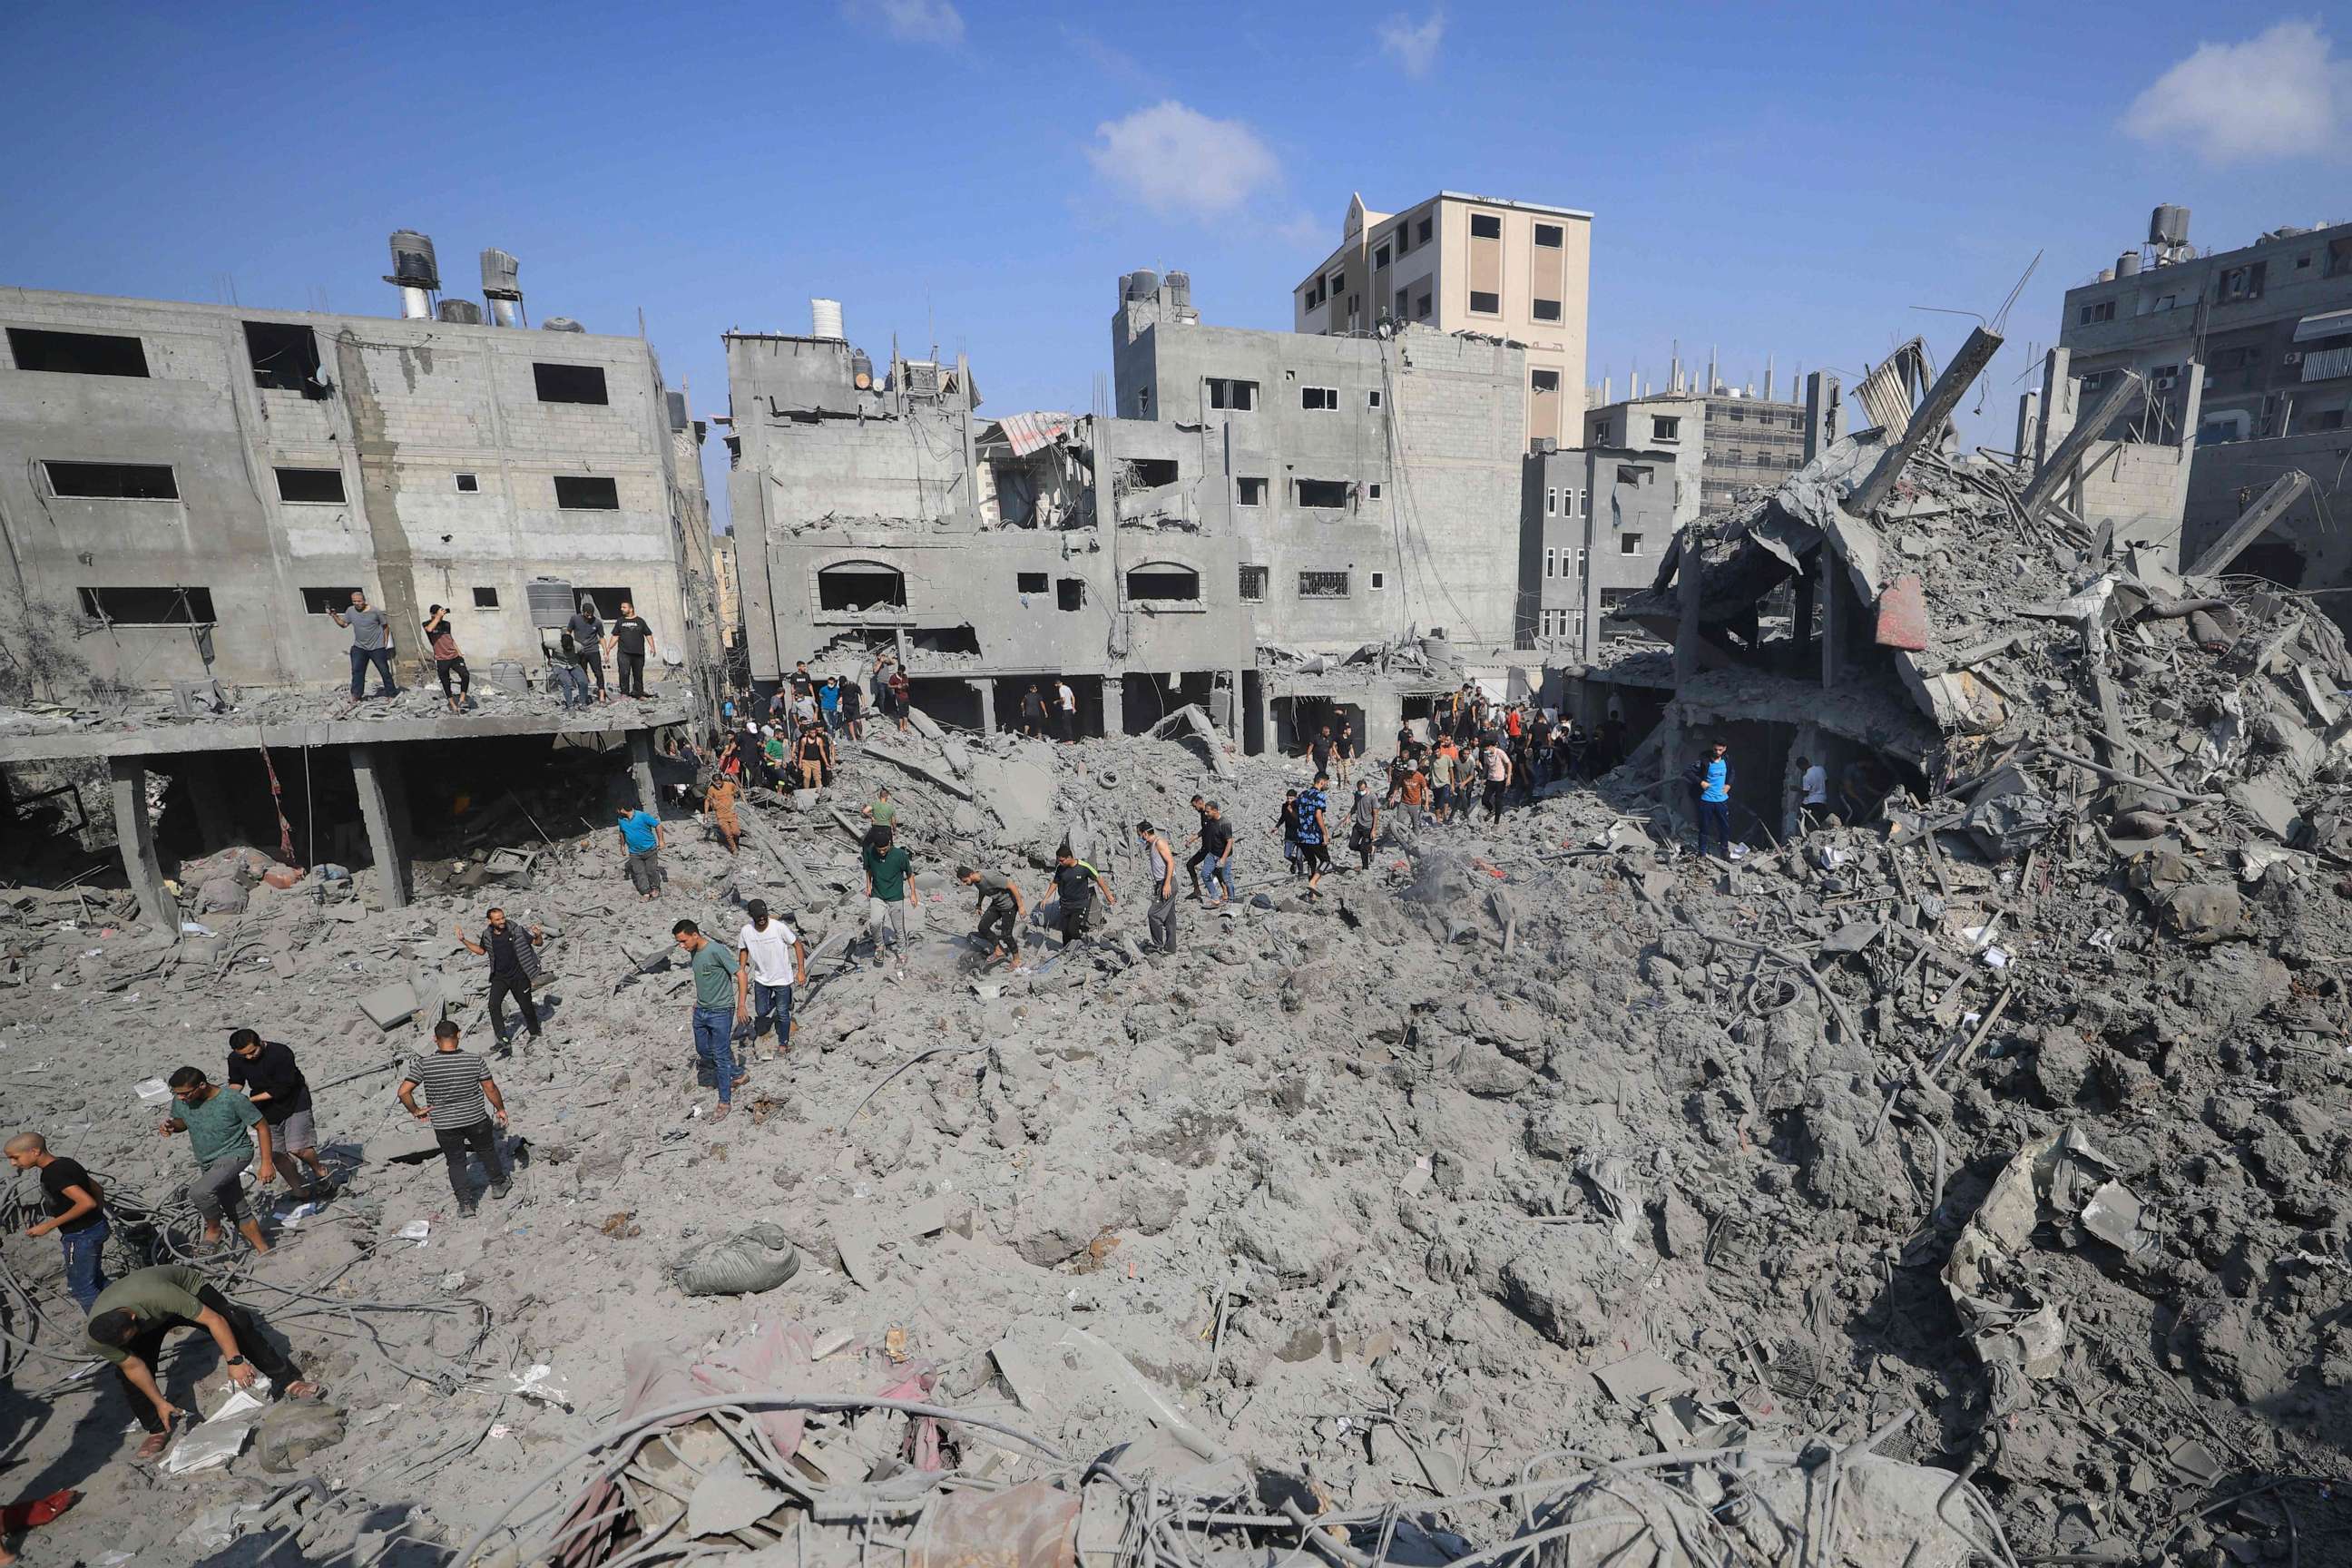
1532 1137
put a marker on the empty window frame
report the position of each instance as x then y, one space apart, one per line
1423 305
112 481
317 487
77 353
1486 302
1372 399
1628 545
151 607
1163 582
1029 582
1486 225
1551 502
1627 473
1249 492
1372 491
486 598
1143 403
1321 495
587 492
860 586
1337 282
1153 473
285 357
1544 310
570 383
608 601
1322 585
2103 311
1380 256
1552 564
1548 236
1070 593
1423 229
1380 581
2234 283
1404 303
1663 428
1252 584
328 601
1323 398
1238 395
467 484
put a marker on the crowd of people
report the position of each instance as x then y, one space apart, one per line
576 659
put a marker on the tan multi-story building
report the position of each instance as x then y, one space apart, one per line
1476 264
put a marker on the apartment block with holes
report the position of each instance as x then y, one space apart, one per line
1596 524
1456 263
2245 352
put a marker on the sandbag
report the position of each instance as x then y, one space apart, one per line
750 1261
2206 913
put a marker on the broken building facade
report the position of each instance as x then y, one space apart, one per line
1594 521
1734 438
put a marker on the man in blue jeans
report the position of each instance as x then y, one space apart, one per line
771 960
370 643
71 1202
1714 798
717 1008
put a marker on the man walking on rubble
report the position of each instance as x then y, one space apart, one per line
632 638
1321 749
1160 915
1366 824
1033 712
587 628
1074 883
216 1120
717 1008
1065 704
73 1208
460 1098
642 843
888 864
1001 909
721 800
371 644
1193 861
1217 844
1814 805
130 1319
1495 764
513 953
1314 834
771 959
1715 797
266 1074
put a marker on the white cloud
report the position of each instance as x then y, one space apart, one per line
1414 48
1175 159
909 21
2278 94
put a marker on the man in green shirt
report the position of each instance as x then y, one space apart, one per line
717 1009
215 1121
883 812
127 1323
888 907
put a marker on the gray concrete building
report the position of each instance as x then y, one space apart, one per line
2247 354
1734 438
1594 523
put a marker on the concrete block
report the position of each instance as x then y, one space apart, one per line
389 1006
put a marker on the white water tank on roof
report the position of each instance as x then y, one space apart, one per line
824 319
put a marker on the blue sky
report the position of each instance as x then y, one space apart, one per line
1785 179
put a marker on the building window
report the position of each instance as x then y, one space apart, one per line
1029 582
1613 598
1163 582
1143 403
467 484
1735 456
1371 399
1486 225
1583 509
1326 398
1249 492
1627 473
1422 306
1552 564
152 606
311 486
1239 395
587 492
113 481
1484 303
2236 283
1252 584
1423 230
1380 581
1547 235
1579 561
1551 502
1665 429
1404 303
1372 491
1070 593
1381 257
1545 309
285 357
327 601
2103 311
77 353
1403 238
1337 283
1628 545
570 383
1322 585
1738 415
607 600
1321 495
487 599
2339 258
860 586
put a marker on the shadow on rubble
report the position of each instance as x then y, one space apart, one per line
360 1535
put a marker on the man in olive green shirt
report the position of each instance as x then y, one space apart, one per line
127 1323
888 866
215 1121
717 1009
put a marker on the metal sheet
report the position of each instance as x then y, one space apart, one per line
1026 433
2323 325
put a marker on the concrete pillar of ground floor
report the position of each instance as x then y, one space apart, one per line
1384 712
136 834
384 809
984 693
1114 705
641 770
1672 733
1236 719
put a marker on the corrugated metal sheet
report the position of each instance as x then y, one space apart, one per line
1025 433
1886 392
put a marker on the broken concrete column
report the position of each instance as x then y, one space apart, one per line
135 836
983 693
641 769
383 807
1114 705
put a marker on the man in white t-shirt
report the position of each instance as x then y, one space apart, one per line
772 959
1816 787
1066 709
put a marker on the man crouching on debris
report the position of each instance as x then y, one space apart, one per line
215 1121
1001 909
131 1317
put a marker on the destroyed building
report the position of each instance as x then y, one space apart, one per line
1460 263
190 492
1593 522
2245 352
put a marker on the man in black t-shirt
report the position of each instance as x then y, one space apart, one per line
73 1207
271 1077
631 636
1033 711
1075 883
1217 840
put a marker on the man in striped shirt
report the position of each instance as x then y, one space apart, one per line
460 1097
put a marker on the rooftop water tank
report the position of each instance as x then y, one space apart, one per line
2127 264
1143 284
412 265
824 320
2169 224
1180 288
550 602
465 313
561 324
501 275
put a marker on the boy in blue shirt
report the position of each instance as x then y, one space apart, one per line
641 838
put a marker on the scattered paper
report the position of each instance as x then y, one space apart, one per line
415 1230
153 1090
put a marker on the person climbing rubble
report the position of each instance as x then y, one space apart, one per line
1193 862
371 644
813 757
898 696
1160 915
1495 766
1365 816
73 1209
1033 712
719 1009
1348 751
1074 885
642 844
721 800
1001 909
888 907
226 1133
881 811
1286 823
1715 797
1065 709
1314 833
130 1319
771 960
460 1100
268 1076
513 953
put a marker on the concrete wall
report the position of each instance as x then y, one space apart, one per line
2306 548
412 404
